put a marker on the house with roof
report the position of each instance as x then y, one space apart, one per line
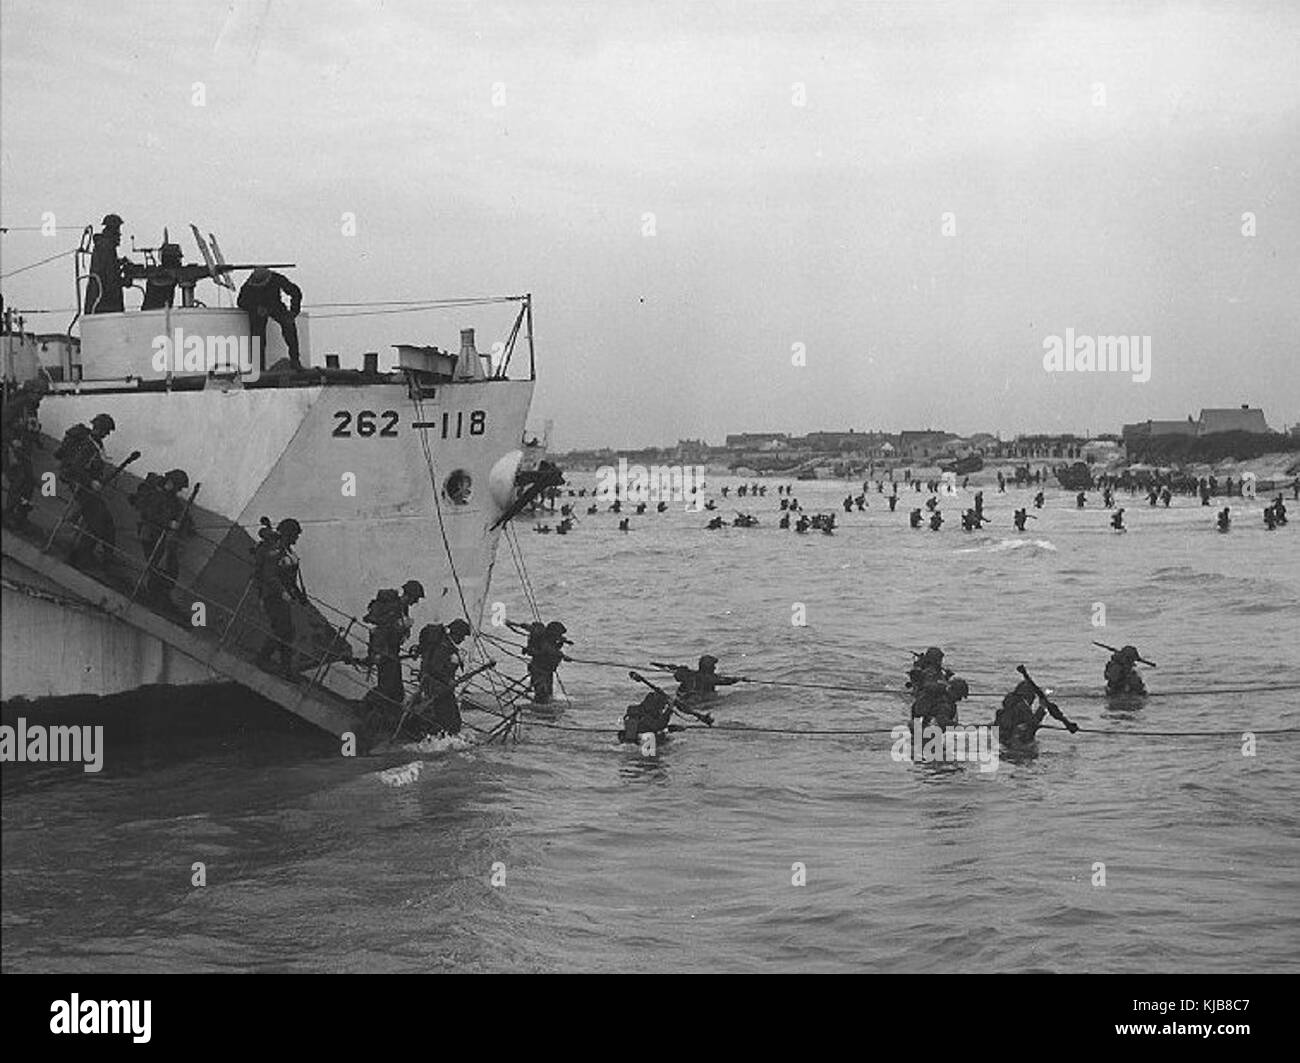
1242 419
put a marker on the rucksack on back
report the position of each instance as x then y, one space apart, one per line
384 607
148 490
72 440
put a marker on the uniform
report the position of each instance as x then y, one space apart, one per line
260 299
19 439
1121 673
105 285
1017 721
391 623
438 666
545 651
277 577
161 510
649 716
81 463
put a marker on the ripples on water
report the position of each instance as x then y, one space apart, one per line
613 861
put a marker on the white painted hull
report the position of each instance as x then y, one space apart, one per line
275 452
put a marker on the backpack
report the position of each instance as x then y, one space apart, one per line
266 559
385 607
149 490
73 441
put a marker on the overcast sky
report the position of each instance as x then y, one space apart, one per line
1096 160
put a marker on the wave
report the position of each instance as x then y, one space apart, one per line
1000 545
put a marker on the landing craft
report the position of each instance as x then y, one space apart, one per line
393 474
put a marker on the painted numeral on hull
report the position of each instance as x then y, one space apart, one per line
366 424
477 424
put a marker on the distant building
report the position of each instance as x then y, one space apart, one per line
1244 419
922 444
755 440
1212 421
691 451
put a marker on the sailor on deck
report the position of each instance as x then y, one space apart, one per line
107 278
160 288
259 297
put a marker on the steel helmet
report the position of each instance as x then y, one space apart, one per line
708 662
104 421
458 629
413 588
259 276
180 478
1130 652
959 688
112 221
289 526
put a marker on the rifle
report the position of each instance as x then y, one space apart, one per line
113 475
185 513
1141 660
703 717
1057 714
117 469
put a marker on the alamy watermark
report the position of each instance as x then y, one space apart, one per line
658 483
179 353
1098 354
39 744
952 744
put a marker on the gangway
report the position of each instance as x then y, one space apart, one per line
307 699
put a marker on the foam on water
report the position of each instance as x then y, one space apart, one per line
401 776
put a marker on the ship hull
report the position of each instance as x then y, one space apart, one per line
349 462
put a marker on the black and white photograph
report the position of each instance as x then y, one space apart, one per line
505 487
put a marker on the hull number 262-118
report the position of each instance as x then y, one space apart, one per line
369 423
